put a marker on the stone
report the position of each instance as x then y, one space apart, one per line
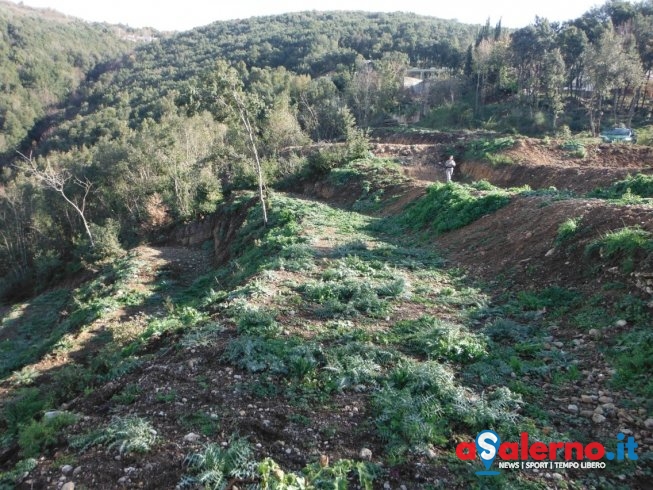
587 399
52 414
572 408
68 486
192 437
595 333
621 323
77 471
605 399
648 423
366 453
67 469
597 418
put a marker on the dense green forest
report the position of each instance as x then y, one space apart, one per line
105 141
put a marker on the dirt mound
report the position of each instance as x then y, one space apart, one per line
519 242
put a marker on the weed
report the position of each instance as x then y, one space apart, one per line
435 339
166 397
39 435
633 358
25 376
574 149
128 395
204 423
129 435
23 408
252 321
202 336
626 244
566 230
15 476
215 466
483 149
450 206
640 185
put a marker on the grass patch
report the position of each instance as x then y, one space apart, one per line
567 230
625 246
633 358
450 206
640 185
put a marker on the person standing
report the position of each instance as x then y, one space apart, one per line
448 167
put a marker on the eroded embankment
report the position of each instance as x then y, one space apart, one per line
522 241
577 179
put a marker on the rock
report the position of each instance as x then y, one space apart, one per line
648 423
621 323
52 414
594 333
192 437
550 252
586 413
387 486
608 407
68 486
123 480
67 469
597 418
366 454
599 410
587 399
557 476
605 399
572 408
559 345
77 471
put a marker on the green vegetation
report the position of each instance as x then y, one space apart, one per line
450 206
566 230
321 317
622 245
127 435
637 186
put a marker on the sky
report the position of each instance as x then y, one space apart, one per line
182 15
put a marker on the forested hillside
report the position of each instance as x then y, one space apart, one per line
226 260
44 56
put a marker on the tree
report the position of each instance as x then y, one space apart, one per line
57 180
223 95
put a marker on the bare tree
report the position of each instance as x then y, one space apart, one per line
56 180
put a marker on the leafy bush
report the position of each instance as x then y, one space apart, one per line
450 206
